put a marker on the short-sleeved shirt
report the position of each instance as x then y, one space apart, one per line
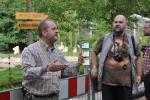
113 75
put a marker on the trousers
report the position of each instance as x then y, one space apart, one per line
147 86
116 92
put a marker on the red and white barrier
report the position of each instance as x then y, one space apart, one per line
69 87
74 86
15 94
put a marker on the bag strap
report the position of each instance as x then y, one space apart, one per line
134 45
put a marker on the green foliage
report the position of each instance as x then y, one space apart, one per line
69 15
5 54
82 68
143 41
142 8
9 34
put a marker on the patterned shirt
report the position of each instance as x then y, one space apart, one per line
147 58
36 56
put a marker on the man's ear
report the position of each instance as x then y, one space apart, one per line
44 33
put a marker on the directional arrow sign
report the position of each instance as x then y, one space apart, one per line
28 24
31 15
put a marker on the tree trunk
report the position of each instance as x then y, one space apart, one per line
30 34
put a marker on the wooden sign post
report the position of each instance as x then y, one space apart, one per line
30 20
27 24
30 16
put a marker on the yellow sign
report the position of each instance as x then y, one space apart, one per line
31 15
28 24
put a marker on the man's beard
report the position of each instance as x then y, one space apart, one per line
146 34
118 30
51 39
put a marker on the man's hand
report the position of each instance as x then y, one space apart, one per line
55 66
80 60
138 80
94 72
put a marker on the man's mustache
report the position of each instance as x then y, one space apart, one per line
117 27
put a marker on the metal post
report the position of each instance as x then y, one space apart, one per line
91 93
9 69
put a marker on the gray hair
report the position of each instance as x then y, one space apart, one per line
43 26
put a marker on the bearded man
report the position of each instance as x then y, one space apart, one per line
116 68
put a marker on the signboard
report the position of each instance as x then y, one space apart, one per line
28 24
31 15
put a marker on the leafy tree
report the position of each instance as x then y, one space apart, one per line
9 34
69 16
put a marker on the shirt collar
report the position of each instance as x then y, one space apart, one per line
45 46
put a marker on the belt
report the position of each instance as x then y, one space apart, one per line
47 96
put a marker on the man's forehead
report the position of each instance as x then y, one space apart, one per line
119 18
147 24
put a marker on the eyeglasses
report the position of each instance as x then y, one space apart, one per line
146 27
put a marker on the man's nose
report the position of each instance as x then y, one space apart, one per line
57 31
117 23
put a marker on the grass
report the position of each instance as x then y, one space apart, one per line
9 81
5 54
13 79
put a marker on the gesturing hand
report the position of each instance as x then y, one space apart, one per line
80 60
55 66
